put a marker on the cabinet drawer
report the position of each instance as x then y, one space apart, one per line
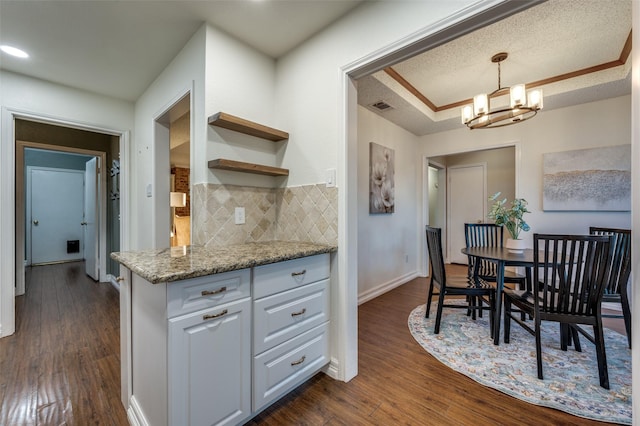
276 277
284 315
280 369
205 292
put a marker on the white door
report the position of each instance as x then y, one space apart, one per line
91 219
56 199
467 203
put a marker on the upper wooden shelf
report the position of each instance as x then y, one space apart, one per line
239 166
247 127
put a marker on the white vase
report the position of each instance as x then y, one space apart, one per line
515 246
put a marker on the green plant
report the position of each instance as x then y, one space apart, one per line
512 217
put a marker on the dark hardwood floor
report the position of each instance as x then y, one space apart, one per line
62 367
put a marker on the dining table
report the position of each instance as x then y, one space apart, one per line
502 257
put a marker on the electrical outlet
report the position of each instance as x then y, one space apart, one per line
239 215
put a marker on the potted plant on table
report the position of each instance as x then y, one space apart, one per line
511 218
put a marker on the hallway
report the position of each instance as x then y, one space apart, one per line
62 366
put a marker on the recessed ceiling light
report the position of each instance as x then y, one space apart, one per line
14 51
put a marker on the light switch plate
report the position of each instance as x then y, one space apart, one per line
239 213
330 178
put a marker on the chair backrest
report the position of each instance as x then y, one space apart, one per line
434 245
483 235
620 260
570 272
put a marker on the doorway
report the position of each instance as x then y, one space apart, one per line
487 171
58 147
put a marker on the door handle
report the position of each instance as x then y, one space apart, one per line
35 222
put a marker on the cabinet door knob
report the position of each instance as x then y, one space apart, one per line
211 292
296 274
295 314
218 315
120 279
35 222
300 361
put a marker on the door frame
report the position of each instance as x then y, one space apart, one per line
10 219
21 205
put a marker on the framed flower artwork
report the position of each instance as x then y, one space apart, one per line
381 182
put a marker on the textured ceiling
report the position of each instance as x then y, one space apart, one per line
549 40
117 48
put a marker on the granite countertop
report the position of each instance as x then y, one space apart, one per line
179 263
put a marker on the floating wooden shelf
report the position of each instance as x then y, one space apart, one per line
247 127
239 166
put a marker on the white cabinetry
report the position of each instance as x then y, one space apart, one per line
217 349
290 334
210 379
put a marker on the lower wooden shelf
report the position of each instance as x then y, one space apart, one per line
239 166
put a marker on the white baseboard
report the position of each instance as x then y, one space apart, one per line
114 282
134 414
385 287
332 369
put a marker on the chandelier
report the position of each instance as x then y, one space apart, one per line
480 116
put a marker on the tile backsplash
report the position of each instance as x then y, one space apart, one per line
301 213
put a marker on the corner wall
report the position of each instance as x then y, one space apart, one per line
387 246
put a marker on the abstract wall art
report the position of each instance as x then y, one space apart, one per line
595 179
381 182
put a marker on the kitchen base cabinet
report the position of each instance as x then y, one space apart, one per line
218 349
210 373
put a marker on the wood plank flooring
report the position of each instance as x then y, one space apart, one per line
62 367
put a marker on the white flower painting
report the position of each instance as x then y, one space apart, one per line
381 184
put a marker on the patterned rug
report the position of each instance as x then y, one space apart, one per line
570 382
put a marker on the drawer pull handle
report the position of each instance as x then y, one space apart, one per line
212 292
208 317
300 361
297 274
295 314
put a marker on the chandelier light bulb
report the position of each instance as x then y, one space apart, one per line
518 96
535 98
480 104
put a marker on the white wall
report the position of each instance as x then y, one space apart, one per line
239 81
316 105
591 125
310 96
387 247
186 72
24 96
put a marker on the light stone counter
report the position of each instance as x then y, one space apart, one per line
179 263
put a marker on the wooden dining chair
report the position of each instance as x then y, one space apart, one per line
489 235
569 276
475 290
616 289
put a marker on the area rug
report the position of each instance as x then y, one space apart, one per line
570 382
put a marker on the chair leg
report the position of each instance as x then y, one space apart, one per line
436 329
565 336
626 313
507 319
429 297
538 348
576 339
601 354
